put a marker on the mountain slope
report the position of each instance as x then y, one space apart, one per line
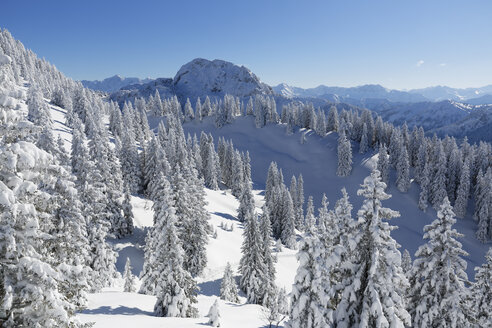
316 160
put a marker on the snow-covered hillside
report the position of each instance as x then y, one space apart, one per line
316 160
115 308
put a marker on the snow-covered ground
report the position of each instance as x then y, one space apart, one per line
115 308
316 160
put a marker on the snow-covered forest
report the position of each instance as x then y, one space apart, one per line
189 211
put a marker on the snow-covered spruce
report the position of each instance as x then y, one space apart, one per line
376 274
129 278
214 314
228 287
438 294
309 296
174 287
252 265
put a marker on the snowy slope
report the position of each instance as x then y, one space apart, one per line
114 308
317 161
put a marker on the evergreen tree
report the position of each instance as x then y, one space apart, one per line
406 262
228 288
288 234
364 142
424 186
246 202
463 191
383 164
31 286
266 249
214 314
344 156
299 204
332 122
174 287
482 291
188 111
374 295
308 296
129 278
403 171
252 265
438 292
198 110
438 182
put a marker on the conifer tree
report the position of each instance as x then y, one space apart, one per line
332 123
383 164
198 110
364 142
438 292
266 249
463 191
308 296
252 265
246 202
31 286
288 234
374 295
188 111
403 171
129 278
214 314
299 204
406 262
482 291
344 156
174 287
424 188
228 288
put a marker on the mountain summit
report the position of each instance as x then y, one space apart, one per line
217 77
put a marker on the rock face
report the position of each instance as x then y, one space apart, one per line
202 77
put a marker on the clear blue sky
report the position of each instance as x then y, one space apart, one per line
396 43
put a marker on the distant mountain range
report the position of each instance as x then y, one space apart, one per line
113 83
440 110
367 93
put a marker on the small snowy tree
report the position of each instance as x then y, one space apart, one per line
129 278
214 314
228 288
